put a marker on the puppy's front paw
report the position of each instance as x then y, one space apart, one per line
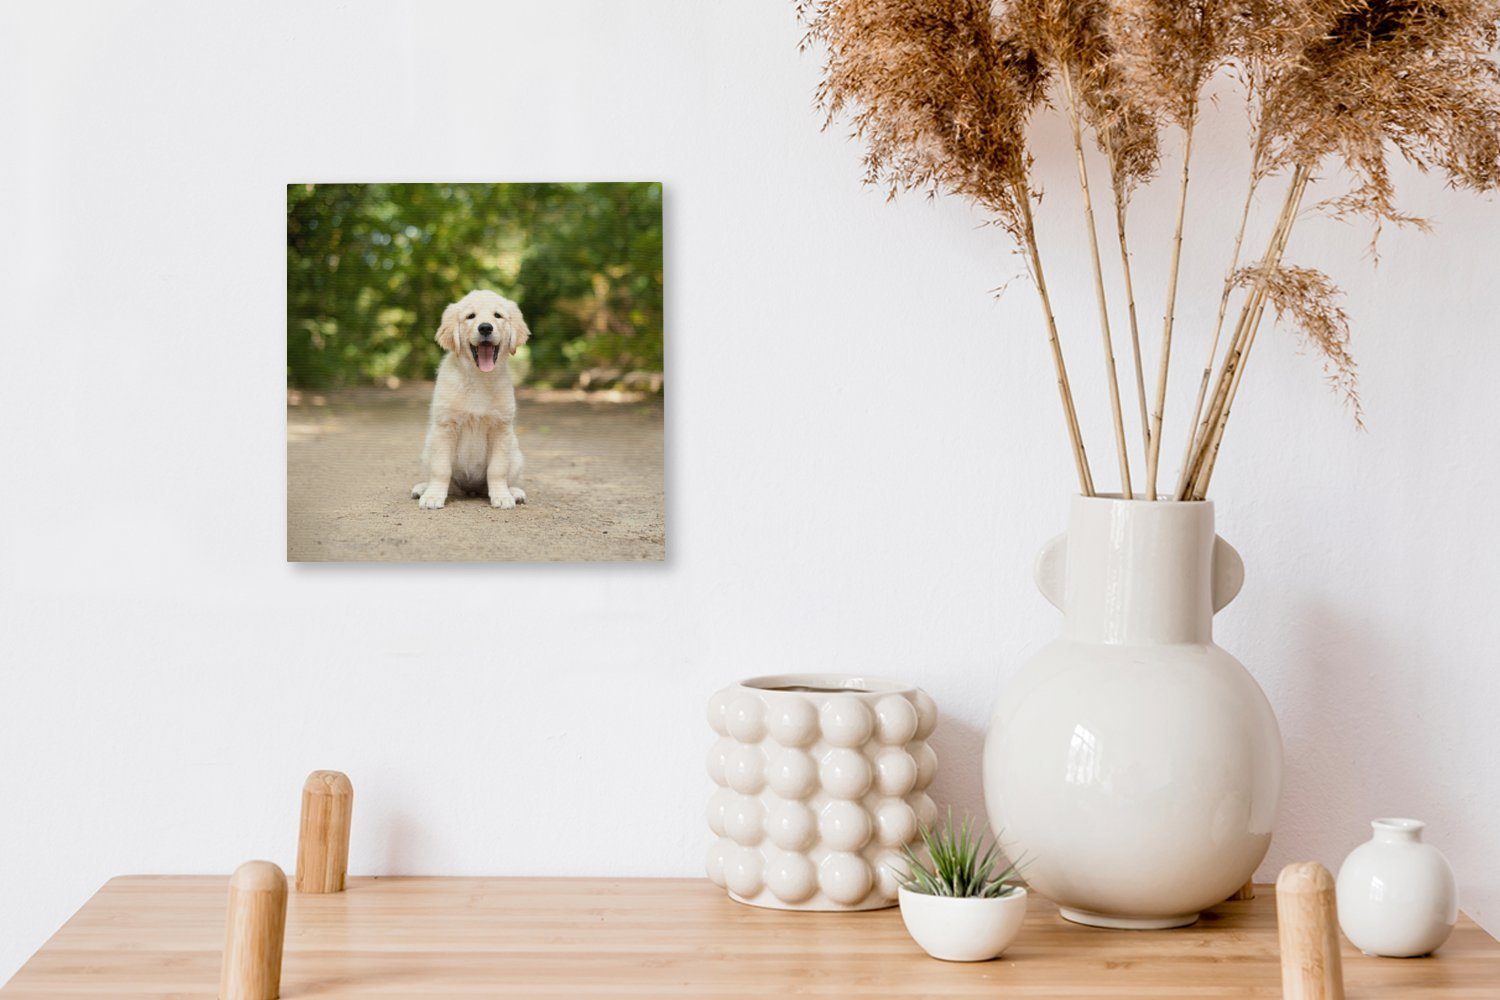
418 490
433 498
503 500
518 493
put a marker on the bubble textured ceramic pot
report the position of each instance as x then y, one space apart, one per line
1132 762
821 781
1396 895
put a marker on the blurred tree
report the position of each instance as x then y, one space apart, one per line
371 266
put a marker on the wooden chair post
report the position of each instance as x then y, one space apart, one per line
253 933
1244 892
323 840
1307 925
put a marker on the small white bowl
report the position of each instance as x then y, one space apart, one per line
963 930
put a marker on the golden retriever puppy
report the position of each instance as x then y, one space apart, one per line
471 436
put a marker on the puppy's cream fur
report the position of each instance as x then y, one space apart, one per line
471 438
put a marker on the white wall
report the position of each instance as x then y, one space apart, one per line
864 454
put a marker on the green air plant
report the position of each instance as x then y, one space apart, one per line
959 865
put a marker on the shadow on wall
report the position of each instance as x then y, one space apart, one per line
1342 714
959 746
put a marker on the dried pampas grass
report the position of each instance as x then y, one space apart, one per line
1071 39
941 92
1308 299
938 96
1167 53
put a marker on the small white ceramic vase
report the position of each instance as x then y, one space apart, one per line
822 781
1396 895
963 930
1134 763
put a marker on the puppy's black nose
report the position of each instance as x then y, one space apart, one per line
485 329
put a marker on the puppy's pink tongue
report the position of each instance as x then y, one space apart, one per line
485 355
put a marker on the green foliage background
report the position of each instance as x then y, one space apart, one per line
371 266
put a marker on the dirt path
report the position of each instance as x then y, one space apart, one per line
593 482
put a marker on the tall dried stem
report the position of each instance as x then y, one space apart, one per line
1135 331
1064 389
1194 435
1205 475
1235 351
1232 359
1153 446
1109 350
1244 338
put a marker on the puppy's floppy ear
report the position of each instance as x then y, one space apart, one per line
447 334
520 332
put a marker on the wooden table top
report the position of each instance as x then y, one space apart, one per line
428 938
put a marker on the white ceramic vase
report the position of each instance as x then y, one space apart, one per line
1396 895
963 930
822 781
1133 763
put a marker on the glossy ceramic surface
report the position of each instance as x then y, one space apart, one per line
1396 895
1133 762
963 930
822 780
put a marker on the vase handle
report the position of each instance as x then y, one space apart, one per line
1052 562
1228 573
1051 568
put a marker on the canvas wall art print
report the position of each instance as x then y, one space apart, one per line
475 372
